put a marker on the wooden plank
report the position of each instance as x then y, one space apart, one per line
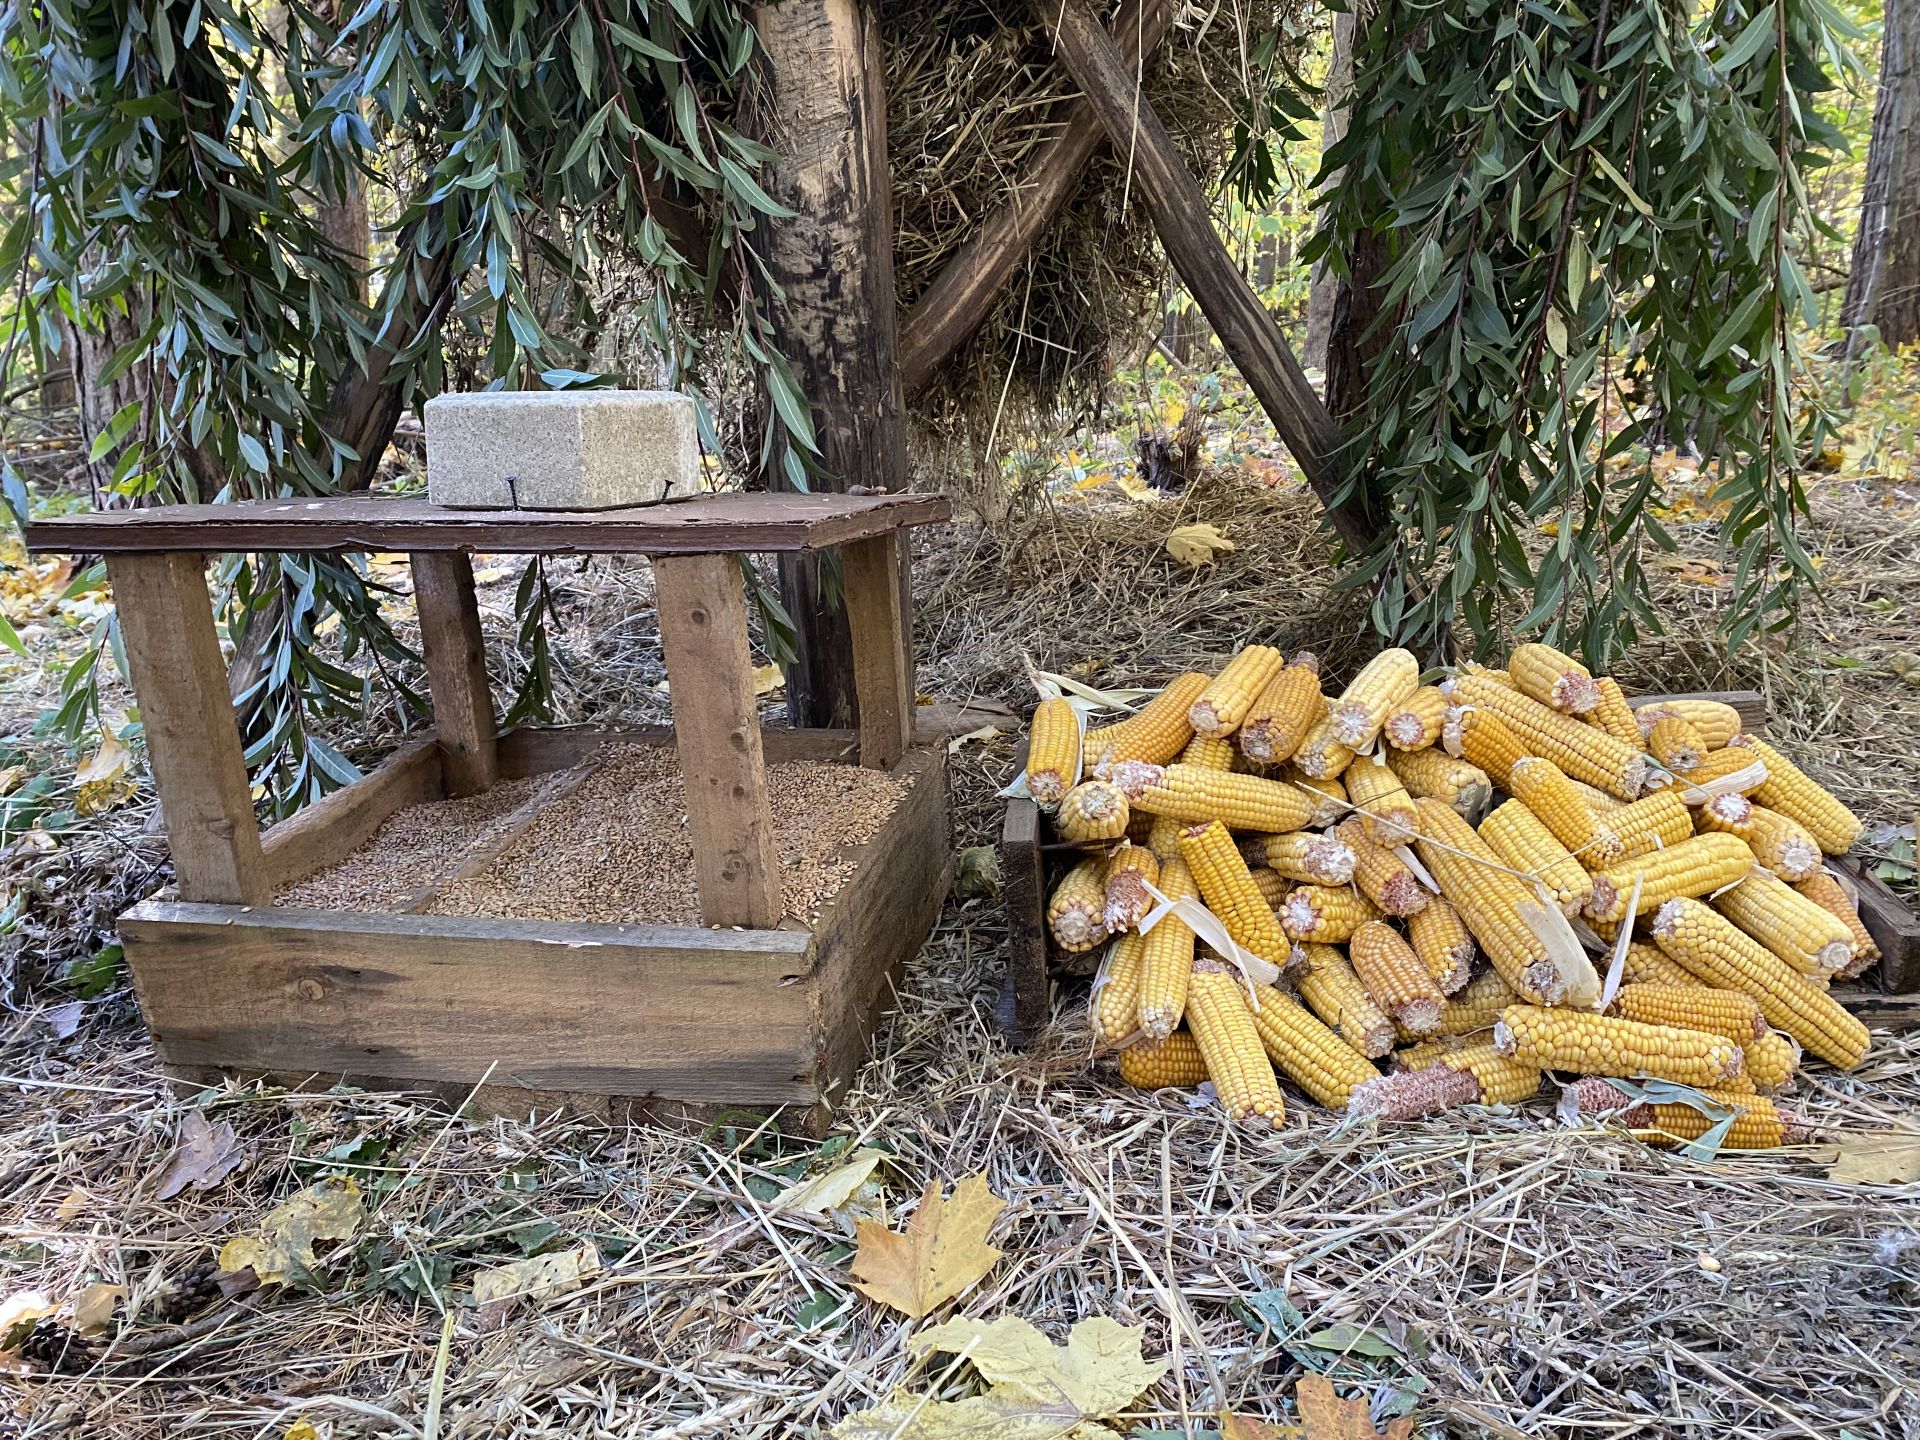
456 655
716 727
1751 704
1184 221
882 648
333 827
880 919
708 524
193 745
1891 922
1023 891
536 751
1877 1010
698 1015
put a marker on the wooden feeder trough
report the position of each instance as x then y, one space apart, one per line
743 1010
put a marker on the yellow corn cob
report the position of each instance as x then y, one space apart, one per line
1229 892
1721 954
1328 797
1287 709
1092 810
1650 823
1230 1044
1155 733
1773 1058
1492 674
1163 836
1503 1080
1310 858
1444 944
1696 866
1613 714
1381 875
1139 828
1476 1006
1599 801
1116 1002
1646 965
1395 977
1376 792
1167 958
1130 870
1416 722
1733 771
1423 1054
1208 753
1242 802
1077 906
1528 942
1732 1013
1320 756
1226 701
1518 838
1555 680
1326 982
1303 1049
1327 913
1812 940
1558 806
1433 774
1588 1044
1831 896
1053 751
1780 844
1714 722
1157 1064
1273 887
1483 740
1582 751
1795 794
1383 682
1676 744
1757 1124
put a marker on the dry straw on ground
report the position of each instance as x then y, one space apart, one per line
1513 1276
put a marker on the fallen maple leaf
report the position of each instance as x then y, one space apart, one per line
829 1191
283 1250
1876 1160
1197 544
1245 1427
942 1253
208 1153
1325 1416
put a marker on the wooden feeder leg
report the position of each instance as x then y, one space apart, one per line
703 629
456 654
193 745
882 648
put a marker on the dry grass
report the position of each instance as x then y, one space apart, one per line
1535 1279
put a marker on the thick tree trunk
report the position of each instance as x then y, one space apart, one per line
1333 129
1883 284
89 349
834 262
1350 349
345 221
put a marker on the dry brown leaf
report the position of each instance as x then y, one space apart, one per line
942 1253
1197 544
18 1312
1325 1416
1245 1427
76 1201
544 1277
829 1191
208 1153
1876 1160
93 1307
283 1250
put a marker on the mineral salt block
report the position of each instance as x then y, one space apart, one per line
560 449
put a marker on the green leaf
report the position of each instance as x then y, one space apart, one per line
1759 33
1737 325
10 637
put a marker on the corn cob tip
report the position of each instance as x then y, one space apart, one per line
1410 1094
1306 660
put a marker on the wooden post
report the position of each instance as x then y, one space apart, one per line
882 647
1180 216
716 727
193 746
837 327
456 654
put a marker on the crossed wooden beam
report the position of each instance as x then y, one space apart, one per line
1112 108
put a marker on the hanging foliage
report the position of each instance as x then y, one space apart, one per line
1575 199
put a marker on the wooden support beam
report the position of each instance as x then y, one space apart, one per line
1185 226
948 311
456 654
716 727
193 746
882 647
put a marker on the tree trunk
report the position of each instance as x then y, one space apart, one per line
837 326
344 219
1356 304
89 349
1326 285
1883 283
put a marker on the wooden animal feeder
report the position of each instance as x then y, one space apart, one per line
749 1005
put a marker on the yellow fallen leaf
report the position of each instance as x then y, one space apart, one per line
542 1278
18 1312
1197 544
1876 1160
985 732
102 780
93 1307
301 1430
75 1202
283 1248
10 778
767 679
942 1253
829 1191
490 574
